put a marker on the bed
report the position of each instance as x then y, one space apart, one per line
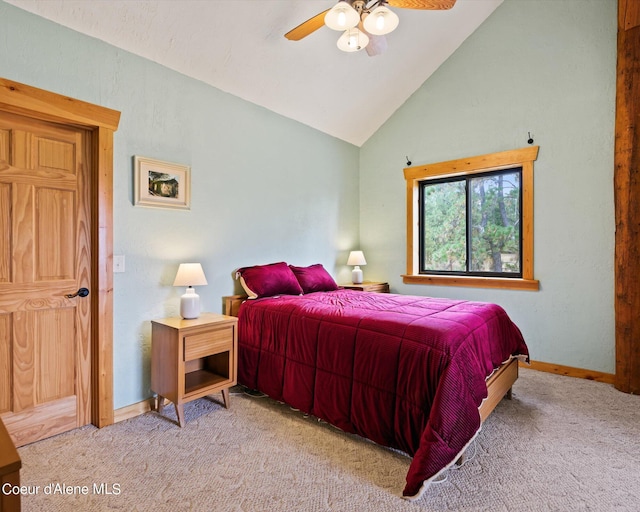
417 374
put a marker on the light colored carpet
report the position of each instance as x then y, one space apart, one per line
561 444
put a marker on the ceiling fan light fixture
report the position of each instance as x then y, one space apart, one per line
381 21
341 16
353 40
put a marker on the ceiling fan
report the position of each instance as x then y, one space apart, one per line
363 23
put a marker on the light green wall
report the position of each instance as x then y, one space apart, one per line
264 188
540 66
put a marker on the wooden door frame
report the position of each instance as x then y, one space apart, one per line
102 122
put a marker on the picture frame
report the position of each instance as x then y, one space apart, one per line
161 184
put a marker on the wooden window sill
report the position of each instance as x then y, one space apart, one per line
472 281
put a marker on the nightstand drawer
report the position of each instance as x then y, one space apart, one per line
207 343
368 286
378 288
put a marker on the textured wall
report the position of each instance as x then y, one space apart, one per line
534 66
264 188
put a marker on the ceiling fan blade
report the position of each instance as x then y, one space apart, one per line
306 28
422 4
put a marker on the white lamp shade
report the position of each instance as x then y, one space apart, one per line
381 21
341 17
190 274
356 258
353 40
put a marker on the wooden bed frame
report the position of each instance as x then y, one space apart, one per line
499 384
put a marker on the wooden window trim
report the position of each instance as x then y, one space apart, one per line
464 167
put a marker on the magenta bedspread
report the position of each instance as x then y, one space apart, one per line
406 372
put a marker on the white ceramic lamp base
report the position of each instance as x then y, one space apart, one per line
356 275
190 304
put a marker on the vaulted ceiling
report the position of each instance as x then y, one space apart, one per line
239 47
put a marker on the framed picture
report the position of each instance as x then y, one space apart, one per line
161 184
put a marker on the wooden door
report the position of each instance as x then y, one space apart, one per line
45 363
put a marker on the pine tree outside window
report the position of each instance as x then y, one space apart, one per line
471 225
470 221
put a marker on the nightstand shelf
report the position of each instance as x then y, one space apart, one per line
195 382
194 358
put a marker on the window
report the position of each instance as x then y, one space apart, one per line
470 221
471 225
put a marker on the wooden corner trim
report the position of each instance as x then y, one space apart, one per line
569 371
133 410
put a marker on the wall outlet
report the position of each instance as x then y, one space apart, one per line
118 263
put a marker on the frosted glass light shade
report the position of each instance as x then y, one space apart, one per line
341 17
353 40
190 275
381 21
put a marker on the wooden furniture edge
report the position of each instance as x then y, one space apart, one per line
498 386
231 304
10 464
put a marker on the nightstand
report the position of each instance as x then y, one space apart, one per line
368 286
193 358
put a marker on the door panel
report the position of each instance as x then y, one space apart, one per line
21 243
54 154
54 353
4 145
43 355
55 234
5 228
44 336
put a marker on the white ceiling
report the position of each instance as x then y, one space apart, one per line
239 47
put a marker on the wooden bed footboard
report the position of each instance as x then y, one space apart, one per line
498 384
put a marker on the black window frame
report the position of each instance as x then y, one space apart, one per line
466 178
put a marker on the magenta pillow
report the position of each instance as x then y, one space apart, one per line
268 280
314 278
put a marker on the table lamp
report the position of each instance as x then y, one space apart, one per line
356 258
190 275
